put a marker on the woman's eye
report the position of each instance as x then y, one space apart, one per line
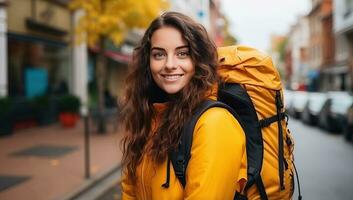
158 55
183 54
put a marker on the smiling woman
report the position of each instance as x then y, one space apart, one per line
170 61
173 71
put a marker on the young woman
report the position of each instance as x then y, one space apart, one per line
173 71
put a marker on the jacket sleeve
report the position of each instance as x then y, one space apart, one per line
127 188
217 167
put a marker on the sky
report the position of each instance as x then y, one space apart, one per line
253 21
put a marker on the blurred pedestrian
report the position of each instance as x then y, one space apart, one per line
173 71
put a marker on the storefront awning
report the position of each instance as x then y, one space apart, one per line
32 38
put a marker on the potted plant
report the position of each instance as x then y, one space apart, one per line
69 106
5 116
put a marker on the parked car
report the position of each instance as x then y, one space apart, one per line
348 129
298 101
313 107
333 116
287 97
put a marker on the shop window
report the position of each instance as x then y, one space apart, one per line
37 67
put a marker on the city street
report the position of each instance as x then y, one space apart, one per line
324 162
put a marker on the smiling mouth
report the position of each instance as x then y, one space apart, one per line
172 77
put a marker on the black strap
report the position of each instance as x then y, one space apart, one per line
268 121
236 96
166 184
261 188
180 158
279 106
257 180
297 176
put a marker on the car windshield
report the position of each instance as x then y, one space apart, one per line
341 103
299 100
317 101
288 96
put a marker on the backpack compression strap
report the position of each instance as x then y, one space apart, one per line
268 121
181 157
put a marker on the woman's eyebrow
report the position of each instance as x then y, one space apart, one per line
181 47
157 48
162 49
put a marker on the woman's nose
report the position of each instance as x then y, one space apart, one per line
170 63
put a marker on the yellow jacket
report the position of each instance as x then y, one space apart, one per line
217 167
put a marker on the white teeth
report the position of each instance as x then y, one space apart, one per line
172 77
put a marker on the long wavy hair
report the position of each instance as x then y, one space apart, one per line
141 92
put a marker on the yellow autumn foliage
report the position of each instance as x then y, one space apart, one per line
114 18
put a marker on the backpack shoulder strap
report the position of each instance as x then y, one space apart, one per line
234 95
180 158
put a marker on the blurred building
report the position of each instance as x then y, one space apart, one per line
39 51
199 10
298 70
288 66
322 43
206 12
342 73
217 23
277 43
320 56
39 55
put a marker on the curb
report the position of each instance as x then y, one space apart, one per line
91 185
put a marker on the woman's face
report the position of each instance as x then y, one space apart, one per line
170 61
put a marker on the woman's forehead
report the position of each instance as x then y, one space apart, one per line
167 37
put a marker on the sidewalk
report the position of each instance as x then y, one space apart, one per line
47 163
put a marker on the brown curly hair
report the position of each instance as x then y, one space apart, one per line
142 92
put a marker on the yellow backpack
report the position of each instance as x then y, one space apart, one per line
252 91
